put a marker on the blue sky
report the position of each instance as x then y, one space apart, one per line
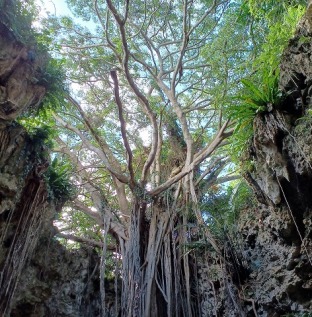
58 7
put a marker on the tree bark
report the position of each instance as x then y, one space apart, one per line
156 270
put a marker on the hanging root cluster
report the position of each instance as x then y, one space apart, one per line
162 259
20 235
159 275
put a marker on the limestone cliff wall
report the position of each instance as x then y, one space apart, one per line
19 76
280 244
38 276
23 196
59 283
276 236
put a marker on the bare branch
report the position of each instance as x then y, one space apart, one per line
219 162
86 210
114 11
186 37
127 10
221 135
90 186
229 178
83 240
208 150
204 16
123 128
96 150
101 142
143 100
80 48
182 119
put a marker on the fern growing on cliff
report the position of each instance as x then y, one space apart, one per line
260 91
254 99
58 180
57 176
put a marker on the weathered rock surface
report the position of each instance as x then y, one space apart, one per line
38 276
276 236
24 206
279 262
19 75
59 282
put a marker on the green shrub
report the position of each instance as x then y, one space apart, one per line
58 180
254 99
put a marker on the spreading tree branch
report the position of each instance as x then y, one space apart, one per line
143 100
105 153
123 128
208 150
91 242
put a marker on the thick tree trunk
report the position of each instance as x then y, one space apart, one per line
156 274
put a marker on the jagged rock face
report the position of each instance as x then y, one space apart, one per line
24 207
38 276
19 75
278 235
12 164
217 294
280 269
59 282
275 237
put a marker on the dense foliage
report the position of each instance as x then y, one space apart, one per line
149 110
